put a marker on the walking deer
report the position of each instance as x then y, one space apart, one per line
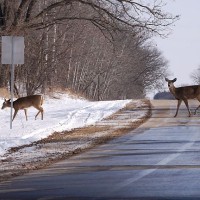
25 102
183 94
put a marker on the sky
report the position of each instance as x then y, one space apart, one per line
182 47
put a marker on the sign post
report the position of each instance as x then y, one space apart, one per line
12 53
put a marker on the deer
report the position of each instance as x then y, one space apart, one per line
23 103
183 94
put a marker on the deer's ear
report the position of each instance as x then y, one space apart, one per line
174 80
166 79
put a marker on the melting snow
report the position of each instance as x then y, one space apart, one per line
60 114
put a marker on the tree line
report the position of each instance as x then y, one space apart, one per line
99 48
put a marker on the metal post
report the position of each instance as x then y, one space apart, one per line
12 53
12 83
98 85
98 88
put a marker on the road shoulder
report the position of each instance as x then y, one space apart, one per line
62 145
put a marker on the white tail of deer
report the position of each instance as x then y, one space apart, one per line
25 102
183 94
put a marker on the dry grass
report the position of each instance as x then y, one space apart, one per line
4 93
75 134
87 132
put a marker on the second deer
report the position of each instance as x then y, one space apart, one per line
25 102
183 94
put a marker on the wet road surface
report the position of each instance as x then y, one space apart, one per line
159 160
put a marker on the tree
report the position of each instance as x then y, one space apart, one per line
196 76
164 95
19 15
87 46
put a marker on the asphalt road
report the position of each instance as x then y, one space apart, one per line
159 160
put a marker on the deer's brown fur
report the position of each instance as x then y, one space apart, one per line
25 102
183 94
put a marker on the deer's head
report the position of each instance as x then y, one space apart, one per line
6 103
170 82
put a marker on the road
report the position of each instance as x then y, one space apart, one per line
158 160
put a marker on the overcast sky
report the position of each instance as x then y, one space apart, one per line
182 47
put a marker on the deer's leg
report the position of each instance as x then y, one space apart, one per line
195 112
15 113
186 103
37 114
25 111
40 111
178 105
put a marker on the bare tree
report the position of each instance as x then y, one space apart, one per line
19 15
196 76
90 64
68 45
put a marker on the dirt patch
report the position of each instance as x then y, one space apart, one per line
59 146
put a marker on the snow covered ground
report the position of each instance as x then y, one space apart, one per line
60 113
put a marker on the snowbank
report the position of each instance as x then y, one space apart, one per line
63 113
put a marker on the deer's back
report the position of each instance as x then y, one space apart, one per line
25 102
189 92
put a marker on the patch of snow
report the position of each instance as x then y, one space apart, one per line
60 114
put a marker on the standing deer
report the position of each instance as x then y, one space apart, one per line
183 94
25 102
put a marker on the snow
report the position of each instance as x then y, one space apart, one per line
62 113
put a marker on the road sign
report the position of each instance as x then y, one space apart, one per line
12 46
12 53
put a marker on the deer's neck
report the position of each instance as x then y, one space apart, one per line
9 104
172 89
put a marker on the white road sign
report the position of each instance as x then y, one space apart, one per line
12 50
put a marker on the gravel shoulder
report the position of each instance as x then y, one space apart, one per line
59 146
